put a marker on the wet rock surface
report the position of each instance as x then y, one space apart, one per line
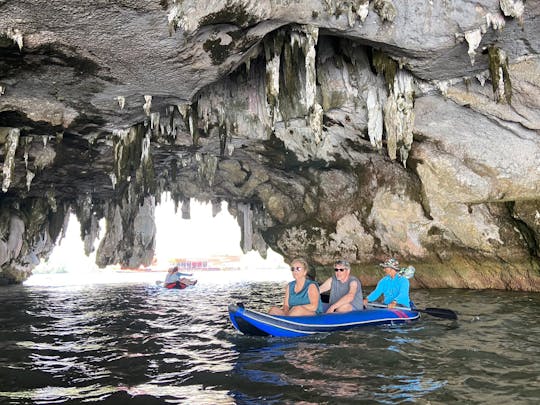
356 129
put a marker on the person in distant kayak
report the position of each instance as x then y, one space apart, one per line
175 279
394 287
345 290
302 296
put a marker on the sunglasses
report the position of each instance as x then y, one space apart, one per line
336 269
296 268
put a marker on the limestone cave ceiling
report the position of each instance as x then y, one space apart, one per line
332 128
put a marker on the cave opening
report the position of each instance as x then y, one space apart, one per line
202 242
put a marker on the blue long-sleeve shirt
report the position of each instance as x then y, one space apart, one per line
174 277
393 289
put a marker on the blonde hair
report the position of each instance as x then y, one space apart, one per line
302 261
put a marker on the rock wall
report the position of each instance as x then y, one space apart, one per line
334 129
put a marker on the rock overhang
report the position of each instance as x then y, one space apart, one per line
132 107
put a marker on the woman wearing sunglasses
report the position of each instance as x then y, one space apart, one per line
302 295
345 290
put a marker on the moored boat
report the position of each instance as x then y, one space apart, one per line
256 323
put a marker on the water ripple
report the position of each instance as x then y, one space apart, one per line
141 343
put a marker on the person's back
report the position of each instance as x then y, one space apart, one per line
172 277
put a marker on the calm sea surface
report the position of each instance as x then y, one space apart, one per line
137 343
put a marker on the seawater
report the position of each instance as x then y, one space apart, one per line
138 343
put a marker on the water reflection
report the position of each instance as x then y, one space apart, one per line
141 343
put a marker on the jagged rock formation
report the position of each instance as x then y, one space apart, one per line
353 129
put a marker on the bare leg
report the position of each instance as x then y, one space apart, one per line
299 311
276 311
345 308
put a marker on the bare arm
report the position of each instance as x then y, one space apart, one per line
326 285
314 297
286 299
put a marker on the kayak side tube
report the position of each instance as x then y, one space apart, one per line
256 323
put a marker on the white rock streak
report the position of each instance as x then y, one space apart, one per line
12 142
473 38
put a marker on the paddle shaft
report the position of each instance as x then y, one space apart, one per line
437 312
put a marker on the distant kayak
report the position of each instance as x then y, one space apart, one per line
256 323
178 285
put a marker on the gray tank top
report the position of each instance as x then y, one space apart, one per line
339 289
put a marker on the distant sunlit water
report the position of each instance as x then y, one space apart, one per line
118 340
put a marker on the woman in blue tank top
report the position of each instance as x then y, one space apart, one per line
302 296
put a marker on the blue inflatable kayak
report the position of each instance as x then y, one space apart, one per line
256 323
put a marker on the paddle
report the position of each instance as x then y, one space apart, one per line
437 312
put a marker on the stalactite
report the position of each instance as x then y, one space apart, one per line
127 151
307 40
500 76
386 66
399 116
353 8
145 148
311 39
84 212
385 9
144 173
113 180
16 36
495 21
216 207
25 157
154 120
272 49
29 177
247 226
330 6
375 117
186 208
12 141
512 8
147 104
121 101
473 38
109 250
173 16
362 9
45 158
51 199
351 17
207 166
316 122
91 235
482 77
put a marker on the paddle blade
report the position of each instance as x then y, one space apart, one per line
440 313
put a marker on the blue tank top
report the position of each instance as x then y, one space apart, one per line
302 297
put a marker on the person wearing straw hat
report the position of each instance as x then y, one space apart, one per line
394 287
